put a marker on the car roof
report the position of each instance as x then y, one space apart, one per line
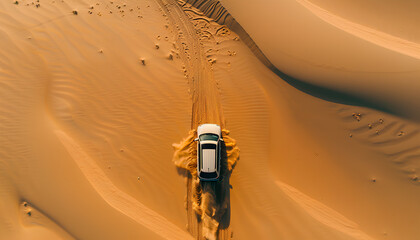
209 160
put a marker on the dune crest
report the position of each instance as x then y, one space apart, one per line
382 39
117 198
323 213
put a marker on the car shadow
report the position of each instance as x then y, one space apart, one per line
222 192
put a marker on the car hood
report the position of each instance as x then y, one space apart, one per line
209 128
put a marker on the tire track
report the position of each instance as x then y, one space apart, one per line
205 96
208 204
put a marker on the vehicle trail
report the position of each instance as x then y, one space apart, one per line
208 204
206 106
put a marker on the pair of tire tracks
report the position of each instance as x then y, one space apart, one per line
206 104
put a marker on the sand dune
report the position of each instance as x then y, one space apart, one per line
374 36
94 94
322 213
118 199
359 64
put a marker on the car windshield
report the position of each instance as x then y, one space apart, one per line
211 137
208 175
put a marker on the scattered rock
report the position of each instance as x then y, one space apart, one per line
16 2
401 133
29 213
357 116
381 121
75 12
211 60
170 57
143 61
100 51
351 135
231 53
373 179
157 46
377 132
25 204
138 178
370 126
415 178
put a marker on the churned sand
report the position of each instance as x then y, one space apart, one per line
99 102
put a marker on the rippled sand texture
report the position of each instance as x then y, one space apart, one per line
85 138
93 95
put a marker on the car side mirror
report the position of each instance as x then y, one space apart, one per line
195 140
222 140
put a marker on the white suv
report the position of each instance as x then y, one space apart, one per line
209 146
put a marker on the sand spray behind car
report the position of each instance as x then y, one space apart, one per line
210 200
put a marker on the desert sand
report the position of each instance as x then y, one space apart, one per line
99 102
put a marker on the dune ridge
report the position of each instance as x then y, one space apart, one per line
31 215
323 213
214 10
382 39
117 198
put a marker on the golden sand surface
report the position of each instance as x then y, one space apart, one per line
318 101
